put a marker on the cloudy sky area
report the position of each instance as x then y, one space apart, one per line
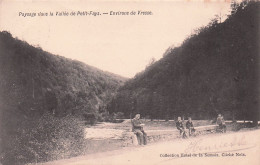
119 44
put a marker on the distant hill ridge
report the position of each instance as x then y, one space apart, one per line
213 71
34 81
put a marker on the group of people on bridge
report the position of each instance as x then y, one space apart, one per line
137 128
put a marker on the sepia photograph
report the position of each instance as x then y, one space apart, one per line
129 82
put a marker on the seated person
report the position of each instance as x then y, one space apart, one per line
221 123
138 129
180 127
189 126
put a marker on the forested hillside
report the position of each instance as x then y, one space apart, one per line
215 70
41 93
34 81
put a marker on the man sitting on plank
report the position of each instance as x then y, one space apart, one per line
221 123
180 127
138 129
190 127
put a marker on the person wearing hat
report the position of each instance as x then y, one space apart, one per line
180 127
189 126
138 129
221 123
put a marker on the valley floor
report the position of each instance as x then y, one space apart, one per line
238 148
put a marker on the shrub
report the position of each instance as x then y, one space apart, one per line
49 138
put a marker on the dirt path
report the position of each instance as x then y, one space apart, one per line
214 149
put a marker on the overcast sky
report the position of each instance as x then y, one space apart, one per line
119 44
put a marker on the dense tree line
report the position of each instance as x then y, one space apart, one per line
215 70
39 81
35 83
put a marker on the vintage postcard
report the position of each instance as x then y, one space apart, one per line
129 82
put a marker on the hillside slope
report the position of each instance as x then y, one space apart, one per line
41 96
213 71
35 81
43 99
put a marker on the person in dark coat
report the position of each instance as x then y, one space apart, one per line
221 123
138 129
180 127
189 126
